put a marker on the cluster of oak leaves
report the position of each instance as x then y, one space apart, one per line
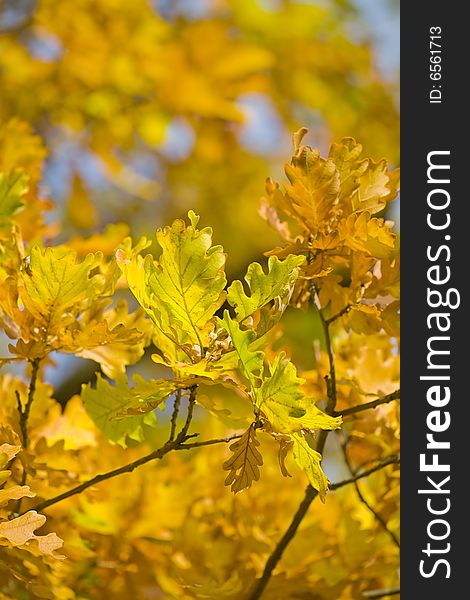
170 529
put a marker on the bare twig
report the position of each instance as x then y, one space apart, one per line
174 416
378 517
372 404
276 555
381 593
24 411
191 402
393 459
310 495
155 455
201 444
342 312
24 416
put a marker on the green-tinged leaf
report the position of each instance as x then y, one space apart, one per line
54 288
250 361
314 418
282 401
13 186
182 289
117 410
309 460
277 285
245 462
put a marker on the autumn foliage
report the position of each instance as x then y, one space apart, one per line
227 398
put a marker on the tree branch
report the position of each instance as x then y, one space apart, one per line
276 555
393 459
381 593
372 404
156 454
370 508
310 492
24 416
310 495
191 402
174 416
342 312
24 412
209 442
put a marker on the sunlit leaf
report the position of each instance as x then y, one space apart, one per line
182 289
277 285
116 409
309 460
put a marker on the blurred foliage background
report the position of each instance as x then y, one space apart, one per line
151 107
148 108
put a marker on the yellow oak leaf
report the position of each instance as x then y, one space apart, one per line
309 460
114 338
20 532
183 289
122 412
275 287
284 405
245 462
54 288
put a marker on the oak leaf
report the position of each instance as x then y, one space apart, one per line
20 532
245 462
182 289
122 412
281 400
275 286
309 460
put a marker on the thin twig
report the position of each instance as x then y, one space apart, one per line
189 415
378 517
342 312
372 404
393 459
24 412
174 416
203 443
330 407
24 416
382 593
156 454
